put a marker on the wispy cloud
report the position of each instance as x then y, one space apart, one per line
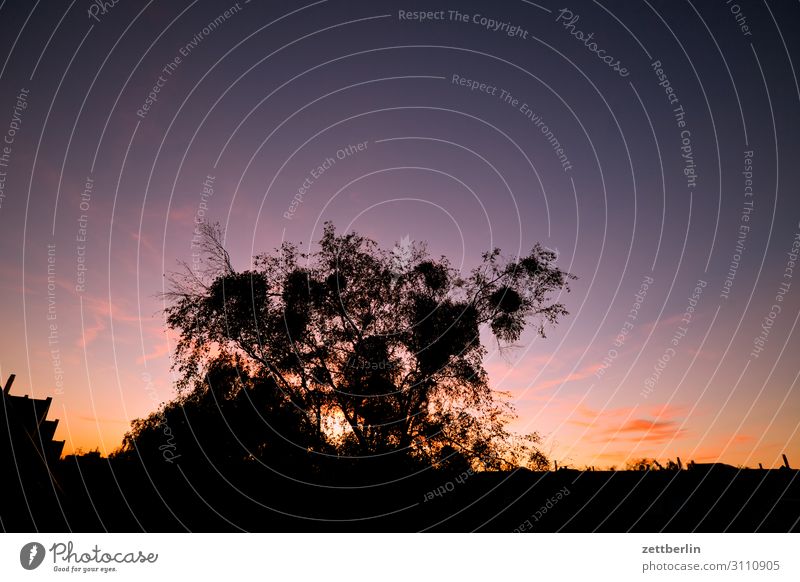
646 430
581 374
631 424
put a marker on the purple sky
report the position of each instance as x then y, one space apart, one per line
653 146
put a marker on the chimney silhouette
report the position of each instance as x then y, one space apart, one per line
9 382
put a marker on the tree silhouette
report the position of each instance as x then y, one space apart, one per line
349 352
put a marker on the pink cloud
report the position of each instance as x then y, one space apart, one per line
630 424
91 333
158 352
571 377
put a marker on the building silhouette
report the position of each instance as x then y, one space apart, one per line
27 446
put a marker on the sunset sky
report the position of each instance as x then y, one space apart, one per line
658 157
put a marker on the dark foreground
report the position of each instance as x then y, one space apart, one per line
99 496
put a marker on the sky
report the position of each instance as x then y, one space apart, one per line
652 145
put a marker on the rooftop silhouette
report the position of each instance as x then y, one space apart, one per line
27 441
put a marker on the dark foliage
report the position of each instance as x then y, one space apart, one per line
344 353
